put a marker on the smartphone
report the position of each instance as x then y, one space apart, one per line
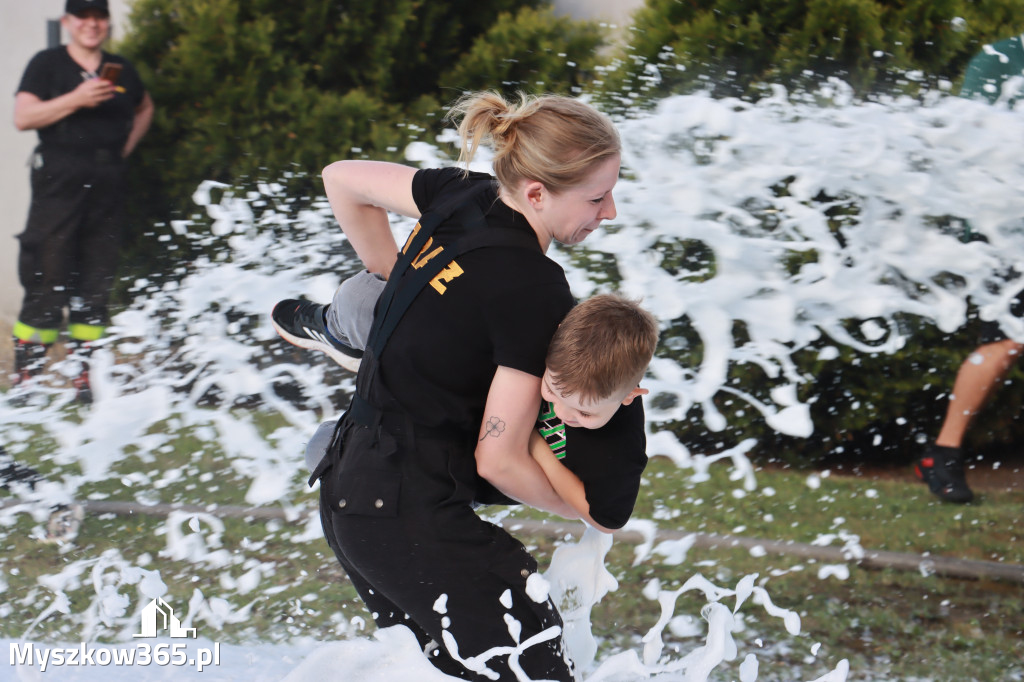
110 72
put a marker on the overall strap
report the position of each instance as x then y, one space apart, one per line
410 276
461 203
474 239
406 282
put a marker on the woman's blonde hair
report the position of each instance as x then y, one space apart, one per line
552 139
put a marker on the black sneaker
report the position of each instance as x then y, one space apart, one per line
83 389
15 474
942 469
301 323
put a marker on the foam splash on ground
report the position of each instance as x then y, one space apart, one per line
751 183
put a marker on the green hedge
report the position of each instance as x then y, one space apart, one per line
254 88
732 47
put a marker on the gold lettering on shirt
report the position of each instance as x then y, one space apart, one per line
450 272
423 257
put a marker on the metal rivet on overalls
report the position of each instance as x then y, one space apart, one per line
379 503
525 573
342 503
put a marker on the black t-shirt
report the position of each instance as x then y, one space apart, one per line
53 72
501 308
608 461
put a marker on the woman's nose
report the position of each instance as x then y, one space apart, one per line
608 211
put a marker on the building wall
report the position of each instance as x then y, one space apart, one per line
612 11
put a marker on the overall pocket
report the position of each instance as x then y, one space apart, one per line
366 481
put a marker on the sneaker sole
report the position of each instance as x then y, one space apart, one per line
346 361
942 494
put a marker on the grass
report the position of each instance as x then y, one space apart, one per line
277 581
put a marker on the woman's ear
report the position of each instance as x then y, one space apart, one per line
535 194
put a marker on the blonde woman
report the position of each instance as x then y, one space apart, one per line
447 391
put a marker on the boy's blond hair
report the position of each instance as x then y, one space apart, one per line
602 348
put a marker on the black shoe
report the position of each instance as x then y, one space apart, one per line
83 389
942 469
14 474
301 323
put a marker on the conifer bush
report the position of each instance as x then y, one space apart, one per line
252 89
731 47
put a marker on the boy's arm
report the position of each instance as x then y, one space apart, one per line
566 484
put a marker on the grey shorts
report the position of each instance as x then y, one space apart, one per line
350 314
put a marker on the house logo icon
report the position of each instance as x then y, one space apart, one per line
157 616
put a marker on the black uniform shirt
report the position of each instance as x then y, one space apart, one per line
608 461
53 72
496 306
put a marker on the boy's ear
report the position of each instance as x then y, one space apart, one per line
634 393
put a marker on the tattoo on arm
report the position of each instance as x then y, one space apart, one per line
494 427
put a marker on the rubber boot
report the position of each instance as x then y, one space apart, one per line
29 360
80 352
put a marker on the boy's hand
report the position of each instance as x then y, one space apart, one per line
567 485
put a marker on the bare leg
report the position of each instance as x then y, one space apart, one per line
942 464
978 377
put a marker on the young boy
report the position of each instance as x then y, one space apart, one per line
592 452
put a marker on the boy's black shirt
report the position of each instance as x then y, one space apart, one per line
53 72
609 461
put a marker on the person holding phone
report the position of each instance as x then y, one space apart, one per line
90 110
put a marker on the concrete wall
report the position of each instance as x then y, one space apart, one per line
612 11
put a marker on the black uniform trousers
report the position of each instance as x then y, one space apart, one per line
69 249
396 510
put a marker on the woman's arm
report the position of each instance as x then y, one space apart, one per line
361 193
502 453
565 483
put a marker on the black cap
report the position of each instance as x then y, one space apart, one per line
79 6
